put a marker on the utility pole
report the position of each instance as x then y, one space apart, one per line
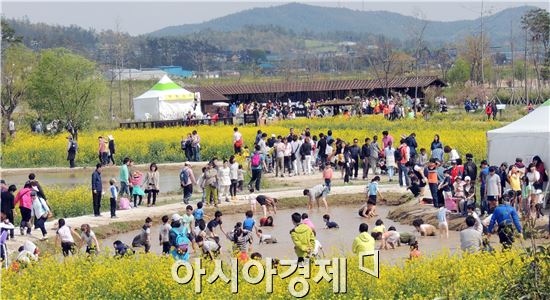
482 75
525 69
512 100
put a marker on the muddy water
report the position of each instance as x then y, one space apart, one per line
334 241
65 178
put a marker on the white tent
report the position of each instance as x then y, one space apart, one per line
166 101
525 138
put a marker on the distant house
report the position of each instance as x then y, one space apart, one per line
176 71
134 74
207 74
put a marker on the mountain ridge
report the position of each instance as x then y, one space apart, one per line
317 19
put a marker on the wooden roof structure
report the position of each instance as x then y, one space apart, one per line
222 92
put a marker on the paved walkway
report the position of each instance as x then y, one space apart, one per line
143 212
87 168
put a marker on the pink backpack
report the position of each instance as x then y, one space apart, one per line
256 159
124 204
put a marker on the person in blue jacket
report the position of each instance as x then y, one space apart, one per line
506 217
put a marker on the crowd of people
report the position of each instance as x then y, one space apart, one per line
506 193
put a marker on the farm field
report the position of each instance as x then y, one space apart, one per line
466 133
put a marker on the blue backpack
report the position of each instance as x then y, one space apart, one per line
180 251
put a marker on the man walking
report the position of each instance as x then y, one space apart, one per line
257 162
124 177
103 154
374 154
365 154
196 146
71 151
322 146
404 155
354 151
111 158
187 180
97 190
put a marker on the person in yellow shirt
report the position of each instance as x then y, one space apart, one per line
514 178
363 242
378 230
303 238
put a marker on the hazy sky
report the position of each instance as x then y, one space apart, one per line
137 17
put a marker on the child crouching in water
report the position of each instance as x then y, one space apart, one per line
415 252
378 230
266 238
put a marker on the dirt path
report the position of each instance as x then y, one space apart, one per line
140 213
87 169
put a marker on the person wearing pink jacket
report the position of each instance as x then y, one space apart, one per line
25 203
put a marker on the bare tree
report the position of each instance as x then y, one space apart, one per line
536 22
471 50
121 46
443 61
382 61
417 29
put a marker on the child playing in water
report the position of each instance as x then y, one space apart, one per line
210 248
217 221
199 215
318 247
390 238
378 230
329 224
442 218
266 238
372 192
415 252
266 203
366 211
424 229
266 221
249 223
306 220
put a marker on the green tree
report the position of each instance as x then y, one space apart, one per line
537 23
65 86
17 65
459 73
8 36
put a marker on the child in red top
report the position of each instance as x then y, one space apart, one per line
327 174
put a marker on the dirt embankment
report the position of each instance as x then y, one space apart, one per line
407 212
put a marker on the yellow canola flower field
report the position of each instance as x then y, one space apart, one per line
466 134
146 276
